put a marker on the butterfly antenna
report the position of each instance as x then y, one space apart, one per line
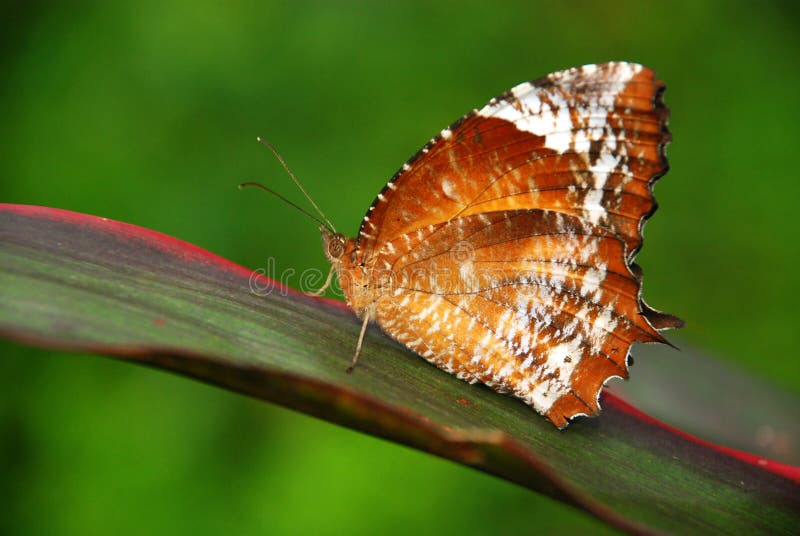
272 148
279 196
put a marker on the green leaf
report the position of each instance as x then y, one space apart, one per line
77 282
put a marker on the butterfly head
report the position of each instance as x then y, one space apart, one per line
333 244
357 280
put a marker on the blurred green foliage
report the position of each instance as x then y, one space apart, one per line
147 112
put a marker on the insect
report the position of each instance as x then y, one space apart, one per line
503 251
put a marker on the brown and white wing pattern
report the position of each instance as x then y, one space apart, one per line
503 251
587 141
517 300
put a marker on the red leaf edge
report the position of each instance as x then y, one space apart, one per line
787 471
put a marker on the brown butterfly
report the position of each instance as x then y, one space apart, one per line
502 252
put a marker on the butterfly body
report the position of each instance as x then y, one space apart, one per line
503 251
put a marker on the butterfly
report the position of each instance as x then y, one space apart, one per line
503 251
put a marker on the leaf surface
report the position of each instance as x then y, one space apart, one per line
82 283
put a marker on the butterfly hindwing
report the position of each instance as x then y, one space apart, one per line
521 303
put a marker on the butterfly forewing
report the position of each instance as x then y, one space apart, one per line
586 141
502 252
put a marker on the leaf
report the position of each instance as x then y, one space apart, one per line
78 282
760 418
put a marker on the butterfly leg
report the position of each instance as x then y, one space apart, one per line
360 342
324 287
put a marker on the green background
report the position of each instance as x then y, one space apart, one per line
147 112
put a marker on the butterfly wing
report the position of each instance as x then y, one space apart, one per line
587 141
517 300
509 239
